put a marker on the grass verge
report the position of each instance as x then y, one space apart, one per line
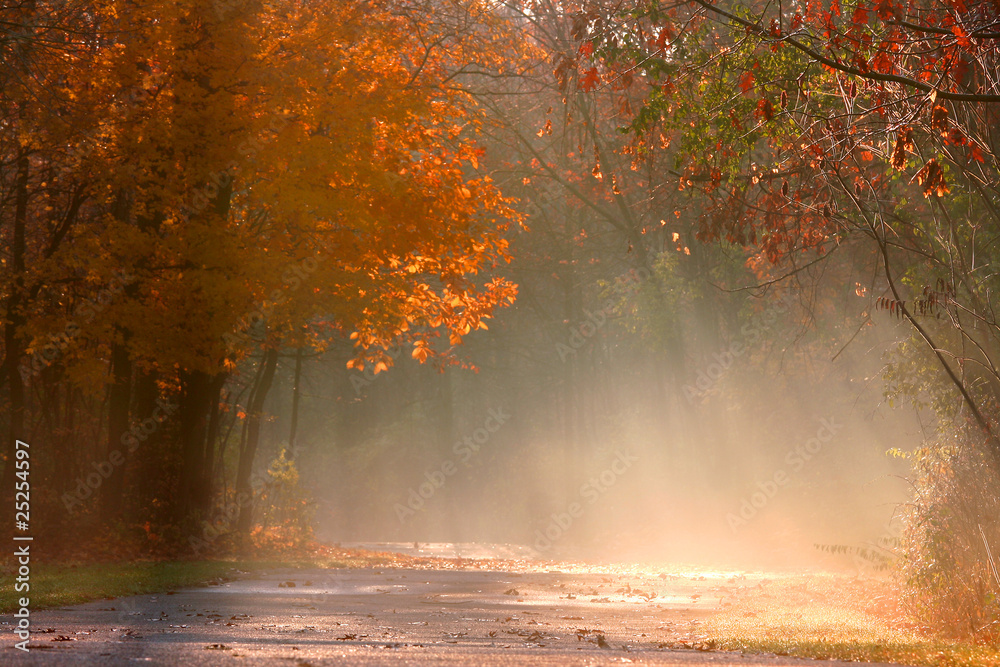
54 585
834 617
59 584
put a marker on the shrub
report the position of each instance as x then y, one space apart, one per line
949 552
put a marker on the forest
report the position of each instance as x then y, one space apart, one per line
616 279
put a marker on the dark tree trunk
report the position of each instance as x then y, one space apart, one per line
193 429
119 403
296 390
244 487
212 435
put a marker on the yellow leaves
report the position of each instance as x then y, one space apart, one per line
320 109
421 352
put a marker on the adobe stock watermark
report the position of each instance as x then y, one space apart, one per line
795 460
750 333
591 491
463 450
585 330
104 469
44 356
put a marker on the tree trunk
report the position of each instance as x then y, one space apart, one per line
118 425
212 435
296 385
244 487
193 422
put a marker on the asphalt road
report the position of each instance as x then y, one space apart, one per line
394 617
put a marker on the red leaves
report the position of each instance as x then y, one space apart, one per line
860 14
962 37
590 79
735 118
956 136
663 37
885 9
562 71
765 110
883 62
894 307
904 142
939 119
931 178
746 81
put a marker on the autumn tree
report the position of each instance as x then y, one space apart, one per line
255 179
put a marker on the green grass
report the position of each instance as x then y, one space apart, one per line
57 585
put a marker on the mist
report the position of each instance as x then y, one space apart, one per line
572 437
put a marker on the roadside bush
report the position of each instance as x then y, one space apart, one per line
949 552
285 512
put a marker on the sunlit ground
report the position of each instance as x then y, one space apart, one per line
830 611
805 612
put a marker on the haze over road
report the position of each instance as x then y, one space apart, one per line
400 617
